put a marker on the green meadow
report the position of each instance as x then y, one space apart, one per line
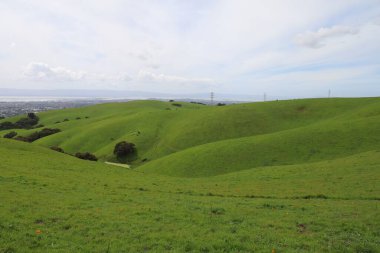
281 176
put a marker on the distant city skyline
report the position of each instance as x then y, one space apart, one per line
289 48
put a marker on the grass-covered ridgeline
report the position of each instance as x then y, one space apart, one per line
223 139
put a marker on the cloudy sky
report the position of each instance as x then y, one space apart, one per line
282 47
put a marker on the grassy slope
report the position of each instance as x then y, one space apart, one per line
312 143
345 134
107 124
86 206
164 132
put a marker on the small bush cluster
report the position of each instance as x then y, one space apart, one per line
6 125
38 135
44 132
198 103
176 104
23 123
21 138
10 135
58 149
86 156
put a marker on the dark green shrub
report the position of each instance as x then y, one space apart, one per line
21 138
6 125
198 103
10 135
32 115
176 104
28 122
58 149
124 149
86 156
44 132
23 123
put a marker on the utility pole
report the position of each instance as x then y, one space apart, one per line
212 98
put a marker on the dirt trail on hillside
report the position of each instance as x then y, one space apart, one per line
119 164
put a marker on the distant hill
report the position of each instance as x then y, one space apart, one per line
198 140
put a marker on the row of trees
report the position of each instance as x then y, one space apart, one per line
84 155
33 136
122 151
28 122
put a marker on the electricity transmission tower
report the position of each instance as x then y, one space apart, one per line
329 93
265 97
212 98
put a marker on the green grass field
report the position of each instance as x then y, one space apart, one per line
281 176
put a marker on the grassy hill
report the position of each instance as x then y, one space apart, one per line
288 176
320 141
52 202
196 140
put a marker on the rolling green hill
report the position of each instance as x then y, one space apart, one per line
196 140
327 140
53 202
282 176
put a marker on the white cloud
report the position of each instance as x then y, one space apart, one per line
234 42
317 39
43 72
148 76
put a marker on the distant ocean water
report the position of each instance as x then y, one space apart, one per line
37 99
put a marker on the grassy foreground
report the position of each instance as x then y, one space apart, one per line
302 202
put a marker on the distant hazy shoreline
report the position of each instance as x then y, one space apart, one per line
37 99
